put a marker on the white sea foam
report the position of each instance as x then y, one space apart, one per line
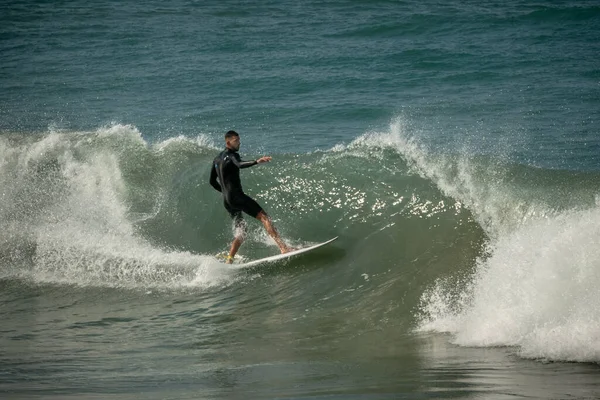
538 285
65 196
539 290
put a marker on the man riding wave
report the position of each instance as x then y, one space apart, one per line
225 177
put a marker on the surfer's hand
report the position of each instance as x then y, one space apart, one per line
263 159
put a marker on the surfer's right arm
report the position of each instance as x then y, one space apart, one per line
214 181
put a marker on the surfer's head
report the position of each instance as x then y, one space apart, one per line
232 140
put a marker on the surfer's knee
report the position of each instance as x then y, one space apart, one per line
265 219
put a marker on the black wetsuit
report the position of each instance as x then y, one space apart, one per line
225 177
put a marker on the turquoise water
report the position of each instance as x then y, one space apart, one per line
452 146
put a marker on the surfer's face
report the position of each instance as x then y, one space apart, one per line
234 143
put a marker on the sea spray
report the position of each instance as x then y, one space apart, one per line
535 283
71 204
538 290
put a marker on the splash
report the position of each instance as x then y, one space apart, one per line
539 290
481 184
67 213
535 286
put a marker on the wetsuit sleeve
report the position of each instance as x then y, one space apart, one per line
242 164
214 182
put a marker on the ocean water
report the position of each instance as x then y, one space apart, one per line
454 148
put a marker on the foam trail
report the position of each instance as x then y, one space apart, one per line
110 260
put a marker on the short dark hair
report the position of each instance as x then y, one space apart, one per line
231 134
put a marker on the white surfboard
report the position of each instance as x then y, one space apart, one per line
279 257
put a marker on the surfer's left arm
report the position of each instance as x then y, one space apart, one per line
246 164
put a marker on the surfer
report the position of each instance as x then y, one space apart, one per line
225 177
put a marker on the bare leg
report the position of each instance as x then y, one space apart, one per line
264 218
239 236
235 246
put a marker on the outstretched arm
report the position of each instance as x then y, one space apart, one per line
264 159
245 164
214 182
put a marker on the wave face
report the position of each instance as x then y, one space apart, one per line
498 254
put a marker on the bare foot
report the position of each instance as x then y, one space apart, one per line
287 249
